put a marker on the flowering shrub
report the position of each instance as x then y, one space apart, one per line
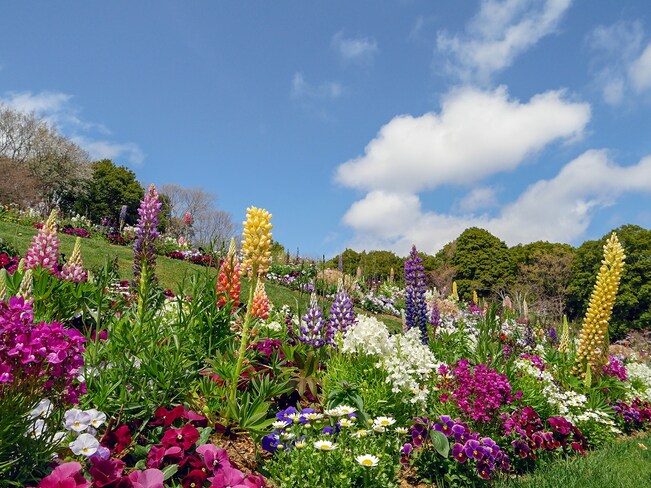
333 449
478 391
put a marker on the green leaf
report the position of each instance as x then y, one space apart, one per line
440 442
169 471
204 436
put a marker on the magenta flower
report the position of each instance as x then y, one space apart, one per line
67 475
229 478
149 478
213 457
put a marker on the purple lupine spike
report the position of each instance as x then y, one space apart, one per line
289 323
312 324
342 315
435 317
144 253
415 305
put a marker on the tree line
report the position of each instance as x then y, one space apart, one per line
44 169
552 279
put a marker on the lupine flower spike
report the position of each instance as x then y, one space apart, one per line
73 270
144 253
228 280
260 306
593 342
564 344
26 285
256 248
256 245
3 285
312 324
342 315
415 305
454 293
44 250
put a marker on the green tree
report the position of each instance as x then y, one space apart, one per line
483 263
109 188
632 310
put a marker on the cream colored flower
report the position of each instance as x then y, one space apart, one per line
325 445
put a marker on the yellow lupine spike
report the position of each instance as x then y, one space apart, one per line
593 343
256 242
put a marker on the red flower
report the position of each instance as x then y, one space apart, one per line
183 438
117 440
194 479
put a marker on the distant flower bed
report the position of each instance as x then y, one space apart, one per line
121 240
194 257
75 231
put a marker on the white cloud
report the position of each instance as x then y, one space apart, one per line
501 31
558 210
355 49
640 71
57 109
478 198
621 61
102 149
328 90
476 134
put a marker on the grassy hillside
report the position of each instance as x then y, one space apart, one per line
172 273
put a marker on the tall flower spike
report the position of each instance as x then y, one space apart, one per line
44 250
310 330
455 294
342 315
415 304
144 253
593 343
4 294
228 280
256 242
564 344
26 287
73 270
260 307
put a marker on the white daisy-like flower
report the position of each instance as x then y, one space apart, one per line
333 412
294 417
402 430
288 435
97 418
345 410
379 428
325 445
85 445
345 422
313 416
300 444
279 424
361 433
384 421
368 460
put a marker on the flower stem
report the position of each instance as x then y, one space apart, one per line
245 334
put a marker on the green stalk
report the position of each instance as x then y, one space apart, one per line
245 333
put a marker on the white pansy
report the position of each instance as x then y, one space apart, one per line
85 445
42 410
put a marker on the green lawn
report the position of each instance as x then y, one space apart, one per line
620 464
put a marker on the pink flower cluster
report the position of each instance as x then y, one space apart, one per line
43 356
478 391
615 368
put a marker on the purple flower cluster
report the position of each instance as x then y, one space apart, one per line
75 231
272 442
38 356
468 445
615 368
537 361
478 391
342 315
528 427
311 327
144 251
415 305
632 416
435 317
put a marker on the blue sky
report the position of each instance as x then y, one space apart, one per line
359 124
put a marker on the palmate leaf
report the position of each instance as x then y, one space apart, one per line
440 442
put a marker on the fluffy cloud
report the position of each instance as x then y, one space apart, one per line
301 89
58 110
621 60
558 210
358 49
501 31
476 134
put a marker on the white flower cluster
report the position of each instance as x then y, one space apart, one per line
409 365
407 362
369 337
593 415
272 325
640 373
80 221
565 401
84 424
